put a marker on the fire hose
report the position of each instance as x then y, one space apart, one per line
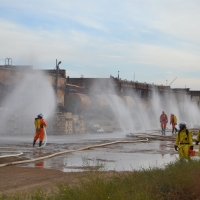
16 153
70 151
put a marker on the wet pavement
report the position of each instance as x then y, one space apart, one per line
156 152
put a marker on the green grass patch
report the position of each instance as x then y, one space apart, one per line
179 180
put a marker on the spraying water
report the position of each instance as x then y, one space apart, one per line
144 114
31 95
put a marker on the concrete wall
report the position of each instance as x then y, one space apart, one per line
10 76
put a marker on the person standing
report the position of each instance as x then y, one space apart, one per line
40 123
163 122
173 122
198 140
183 141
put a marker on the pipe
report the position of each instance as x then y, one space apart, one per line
70 151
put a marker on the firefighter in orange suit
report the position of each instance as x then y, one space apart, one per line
39 129
173 122
163 122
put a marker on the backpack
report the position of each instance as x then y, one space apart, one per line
187 132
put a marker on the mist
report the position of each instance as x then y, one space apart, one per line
142 115
32 94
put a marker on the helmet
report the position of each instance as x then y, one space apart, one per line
40 115
182 125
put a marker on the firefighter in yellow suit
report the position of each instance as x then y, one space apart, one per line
183 141
197 140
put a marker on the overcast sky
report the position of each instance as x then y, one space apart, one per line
152 41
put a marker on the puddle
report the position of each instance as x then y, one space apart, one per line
119 157
80 161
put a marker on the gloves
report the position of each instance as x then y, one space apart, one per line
176 148
191 147
197 142
41 126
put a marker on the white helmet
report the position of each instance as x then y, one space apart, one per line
182 125
41 115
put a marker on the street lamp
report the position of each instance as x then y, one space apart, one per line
118 75
57 72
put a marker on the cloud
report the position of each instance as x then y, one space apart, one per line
106 36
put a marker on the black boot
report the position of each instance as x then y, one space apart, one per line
164 131
40 144
34 141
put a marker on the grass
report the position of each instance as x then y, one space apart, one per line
179 180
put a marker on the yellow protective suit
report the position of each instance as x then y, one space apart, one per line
198 140
198 137
184 141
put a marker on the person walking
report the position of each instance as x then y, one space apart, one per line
40 123
163 122
173 122
183 141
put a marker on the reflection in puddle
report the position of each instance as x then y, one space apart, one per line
121 162
81 161
40 164
119 157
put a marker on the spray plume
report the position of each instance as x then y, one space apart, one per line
31 95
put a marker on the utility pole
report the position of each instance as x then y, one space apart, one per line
57 72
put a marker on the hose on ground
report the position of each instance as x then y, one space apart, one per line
13 153
70 151
16 153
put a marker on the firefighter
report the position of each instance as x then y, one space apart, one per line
197 140
173 122
163 122
183 141
39 129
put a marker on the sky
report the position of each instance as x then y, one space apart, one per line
152 41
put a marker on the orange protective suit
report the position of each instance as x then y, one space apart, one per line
39 133
163 120
173 122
